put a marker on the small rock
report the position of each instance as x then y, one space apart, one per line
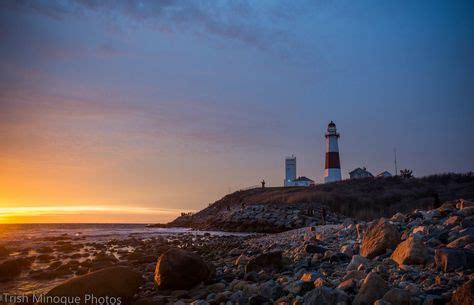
452 221
314 249
241 260
356 261
373 288
398 217
354 274
348 285
325 296
461 204
451 259
397 296
266 261
461 242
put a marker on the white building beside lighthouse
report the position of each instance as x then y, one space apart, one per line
290 174
290 170
332 168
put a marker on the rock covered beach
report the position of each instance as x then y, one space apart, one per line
422 257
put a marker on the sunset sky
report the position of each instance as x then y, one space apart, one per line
135 111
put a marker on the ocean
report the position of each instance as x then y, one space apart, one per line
42 245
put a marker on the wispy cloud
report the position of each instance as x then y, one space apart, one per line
242 21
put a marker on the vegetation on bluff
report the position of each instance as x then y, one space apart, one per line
363 199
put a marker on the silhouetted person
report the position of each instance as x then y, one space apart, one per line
323 216
263 184
437 202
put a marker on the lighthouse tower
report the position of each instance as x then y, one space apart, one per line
332 168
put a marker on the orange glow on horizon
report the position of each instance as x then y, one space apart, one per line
84 214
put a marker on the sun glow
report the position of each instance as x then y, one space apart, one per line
84 214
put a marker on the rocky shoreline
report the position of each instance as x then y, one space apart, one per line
268 218
423 257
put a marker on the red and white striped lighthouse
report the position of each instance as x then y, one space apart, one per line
332 168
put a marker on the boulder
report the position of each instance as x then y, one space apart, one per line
12 268
397 296
373 288
464 295
452 259
410 252
467 211
452 221
348 285
467 222
267 261
356 261
114 282
310 276
241 260
380 236
309 248
181 269
461 242
347 250
398 217
354 274
461 204
325 296
270 289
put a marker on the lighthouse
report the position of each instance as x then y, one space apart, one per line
332 168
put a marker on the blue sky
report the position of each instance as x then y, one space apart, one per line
174 103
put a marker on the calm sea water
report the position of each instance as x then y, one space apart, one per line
21 232
25 239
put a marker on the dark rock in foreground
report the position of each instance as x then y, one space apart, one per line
266 261
114 282
180 269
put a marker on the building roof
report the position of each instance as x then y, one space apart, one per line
331 124
384 173
303 178
360 170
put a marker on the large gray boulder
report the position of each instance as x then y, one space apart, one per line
180 269
380 236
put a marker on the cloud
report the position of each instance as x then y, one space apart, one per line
242 21
108 123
